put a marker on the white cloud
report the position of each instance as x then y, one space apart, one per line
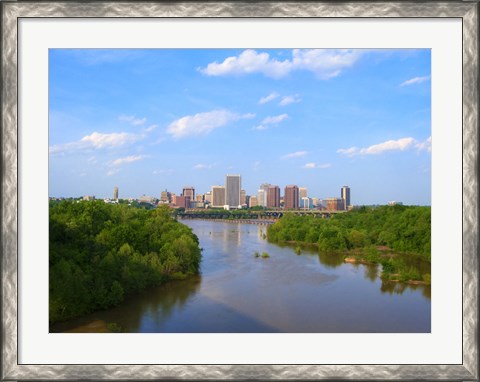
425 145
349 152
112 171
296 154
415 80
324 63
287 100
129 159
269 121
202 166
134 121
150 128
268 98
249 61
203 123
99 140
312 165
391 145
96 141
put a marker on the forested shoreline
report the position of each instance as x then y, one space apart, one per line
397 237
99 253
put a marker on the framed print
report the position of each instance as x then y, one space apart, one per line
228 190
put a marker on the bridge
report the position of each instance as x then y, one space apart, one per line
256 217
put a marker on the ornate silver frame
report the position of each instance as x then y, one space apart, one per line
12 11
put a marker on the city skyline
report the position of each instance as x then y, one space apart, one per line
150 120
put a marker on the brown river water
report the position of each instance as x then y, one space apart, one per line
237 292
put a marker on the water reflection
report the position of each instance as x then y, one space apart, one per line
239 293
154 305
371 272
332 260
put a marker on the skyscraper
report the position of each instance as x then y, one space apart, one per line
273 196
263 201
253 202
345 193
243 197
291 197
165 197
302 192
218 196
233 185
115 193
189 191
261 198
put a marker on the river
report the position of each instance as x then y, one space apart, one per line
240 293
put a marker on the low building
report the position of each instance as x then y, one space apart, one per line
182 201
335 204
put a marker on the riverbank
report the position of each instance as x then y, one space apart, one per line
406 268
239 293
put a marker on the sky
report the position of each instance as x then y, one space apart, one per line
147 120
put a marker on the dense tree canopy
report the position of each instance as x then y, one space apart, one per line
402 228
397 237
100 252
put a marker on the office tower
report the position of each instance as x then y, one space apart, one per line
345 194
199 198
291 197
263 201
189 191
115 193
273 197
302 192
233 185
218 196
207 197
253 202
243 198
261 197
335 204
165 197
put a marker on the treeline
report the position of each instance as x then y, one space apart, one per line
220 213
101 252
405 229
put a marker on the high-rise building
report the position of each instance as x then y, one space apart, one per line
233 185
218 196
261 198
302 192
189 191
165 197
207 197
345 194
199 198
243 198
273 197
263 201
115 193
335 204
253 202
291 197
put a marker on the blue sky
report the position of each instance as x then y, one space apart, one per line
156 119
